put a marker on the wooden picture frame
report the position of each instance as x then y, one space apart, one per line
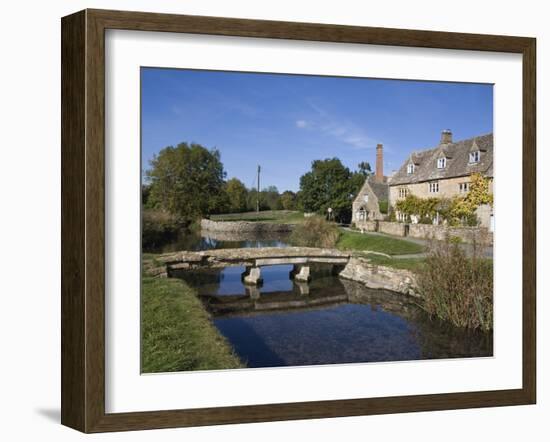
83 220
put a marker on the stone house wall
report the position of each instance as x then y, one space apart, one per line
448 188
370 206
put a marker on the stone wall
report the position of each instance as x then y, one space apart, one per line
380 277
367 226
439 233
391 228
244 226
466 234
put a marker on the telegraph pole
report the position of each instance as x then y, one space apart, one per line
258 192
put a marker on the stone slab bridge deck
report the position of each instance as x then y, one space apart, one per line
255 258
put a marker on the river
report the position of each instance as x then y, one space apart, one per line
328 321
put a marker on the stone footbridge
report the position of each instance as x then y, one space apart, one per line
253 259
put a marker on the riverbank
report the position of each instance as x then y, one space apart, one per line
375 276
243 227
177 331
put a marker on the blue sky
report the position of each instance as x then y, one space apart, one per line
284 122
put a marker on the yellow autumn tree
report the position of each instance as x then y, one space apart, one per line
463 208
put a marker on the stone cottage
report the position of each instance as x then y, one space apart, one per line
444 171
371 203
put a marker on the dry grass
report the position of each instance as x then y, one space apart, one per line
315 231
457 286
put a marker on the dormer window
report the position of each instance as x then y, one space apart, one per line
410 168
442 163
474 156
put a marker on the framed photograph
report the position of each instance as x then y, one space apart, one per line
267 220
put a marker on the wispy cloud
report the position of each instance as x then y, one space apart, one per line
344 131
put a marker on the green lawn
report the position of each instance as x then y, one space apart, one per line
397 263
271 216
177 332
377 243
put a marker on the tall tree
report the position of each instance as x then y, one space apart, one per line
288 200
270 197
237 194
187 181
364 168
329 184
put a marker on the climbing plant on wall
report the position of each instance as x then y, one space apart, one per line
458 210
464 208
421 207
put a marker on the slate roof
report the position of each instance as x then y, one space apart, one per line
458 164
381 190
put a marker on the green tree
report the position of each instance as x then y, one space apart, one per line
364 168
237 194
271 198
329 184
145 191
187 181
288 200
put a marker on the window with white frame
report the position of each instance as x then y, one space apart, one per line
463 187
403 192
442 163
366 198
410 168
474 156
433 187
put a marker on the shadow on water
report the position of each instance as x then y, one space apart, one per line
326 321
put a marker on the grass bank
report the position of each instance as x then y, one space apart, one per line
177 332
266 216
413 264
377 243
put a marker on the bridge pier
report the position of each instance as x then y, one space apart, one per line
252 276
300 273
303 287
253 291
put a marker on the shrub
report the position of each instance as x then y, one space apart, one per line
457 286
315 231
383 207
158 227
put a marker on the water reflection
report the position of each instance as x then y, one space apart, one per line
327 321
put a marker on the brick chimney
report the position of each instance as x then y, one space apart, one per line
379 174
446 137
